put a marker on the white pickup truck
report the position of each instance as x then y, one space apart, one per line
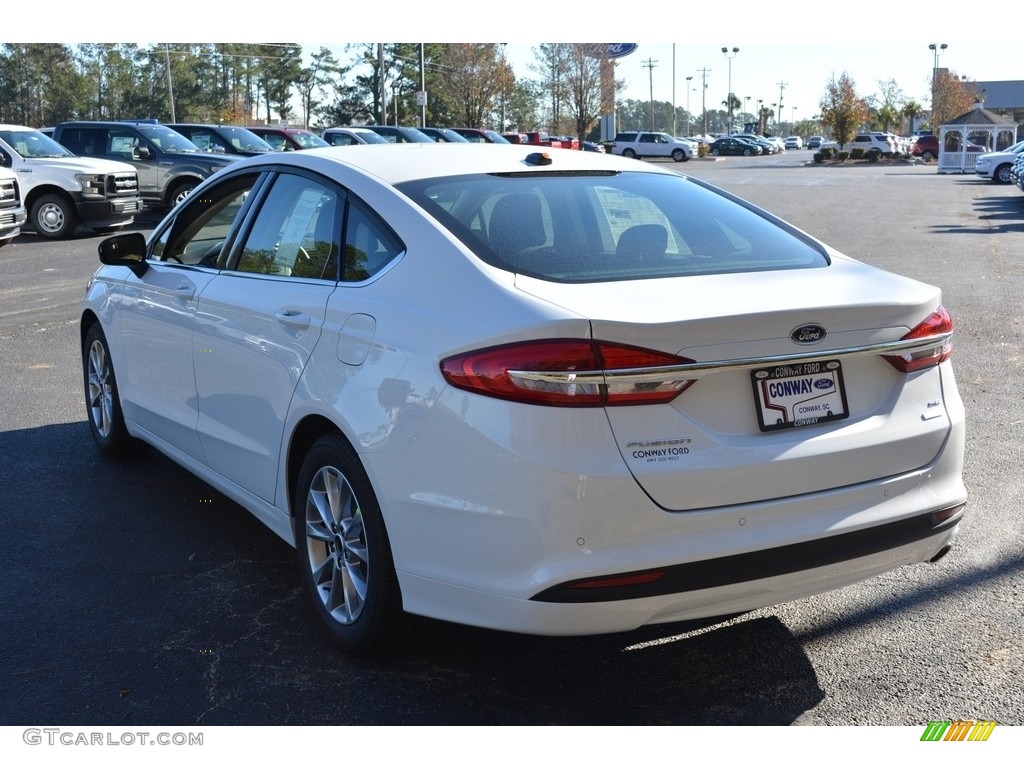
62 190
12 211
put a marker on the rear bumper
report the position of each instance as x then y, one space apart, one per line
502 612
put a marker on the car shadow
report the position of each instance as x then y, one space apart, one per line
996 215
180 607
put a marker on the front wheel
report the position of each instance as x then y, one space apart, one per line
1002 174
181 191
102 401
54 217
927 156
679 155
344 554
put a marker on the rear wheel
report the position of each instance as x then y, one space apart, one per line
746 153
716 152
343 549
628 153
54 217
927 156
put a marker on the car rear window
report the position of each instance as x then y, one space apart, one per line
607 226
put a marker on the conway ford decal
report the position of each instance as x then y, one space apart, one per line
808 334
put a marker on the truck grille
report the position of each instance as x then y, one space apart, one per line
8 193
122 184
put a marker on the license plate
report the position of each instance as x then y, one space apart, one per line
799 394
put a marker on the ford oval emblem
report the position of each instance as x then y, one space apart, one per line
808 334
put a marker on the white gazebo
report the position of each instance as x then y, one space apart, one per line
963 139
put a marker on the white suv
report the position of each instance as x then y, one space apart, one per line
652 144
880 141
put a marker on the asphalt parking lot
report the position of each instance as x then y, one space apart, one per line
136 595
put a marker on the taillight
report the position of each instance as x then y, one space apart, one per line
569 372
939 325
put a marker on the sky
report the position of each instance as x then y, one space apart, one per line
803 52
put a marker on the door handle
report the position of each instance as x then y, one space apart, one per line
298 320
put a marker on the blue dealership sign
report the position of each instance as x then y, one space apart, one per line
618 50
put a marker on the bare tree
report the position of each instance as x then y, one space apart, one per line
473 76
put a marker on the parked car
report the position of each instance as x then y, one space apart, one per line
12 209
348 136
288 139
640 144
400 134
168 165
631 399
514 138
481 135
61 190
731 145
927 147
767 147
592 146
794 142
445 135
997 165
226 139
884 143
814 142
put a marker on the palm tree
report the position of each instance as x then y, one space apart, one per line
732 105
912 110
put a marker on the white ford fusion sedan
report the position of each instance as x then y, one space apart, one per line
549 392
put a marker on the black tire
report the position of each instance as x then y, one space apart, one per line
343 547
628 153
927 156
716 152
54 217
180 191
746 153
1001 175
102 400
679 156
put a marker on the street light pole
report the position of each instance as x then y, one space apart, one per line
688 79
937 50
730 55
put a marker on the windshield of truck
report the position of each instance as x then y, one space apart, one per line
31 143
166 139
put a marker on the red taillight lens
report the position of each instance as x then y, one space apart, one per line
938 324
568 372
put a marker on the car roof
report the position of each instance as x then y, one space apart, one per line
396 163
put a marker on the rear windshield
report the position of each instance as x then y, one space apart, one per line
596 227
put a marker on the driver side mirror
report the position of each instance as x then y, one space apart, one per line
126 250
143 152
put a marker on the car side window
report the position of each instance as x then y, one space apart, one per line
369 244
296 232
200 232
